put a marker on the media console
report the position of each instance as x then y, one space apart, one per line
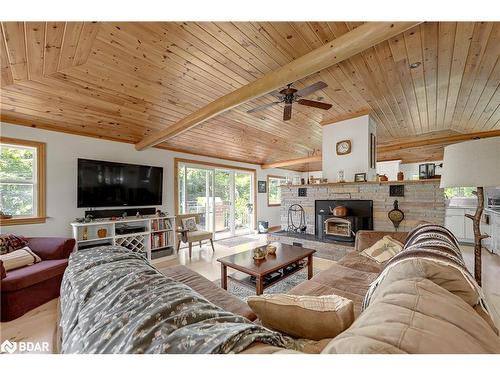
153 235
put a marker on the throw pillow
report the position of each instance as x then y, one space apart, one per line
11 242
189 224
383 250
19 258
307 317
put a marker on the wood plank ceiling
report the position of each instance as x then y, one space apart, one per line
121 81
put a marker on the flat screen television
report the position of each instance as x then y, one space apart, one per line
108 184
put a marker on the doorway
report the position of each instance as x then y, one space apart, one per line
223 195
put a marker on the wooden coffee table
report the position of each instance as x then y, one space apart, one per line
286 255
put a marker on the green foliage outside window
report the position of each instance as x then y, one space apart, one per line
198 180
459 192
274 192
16 180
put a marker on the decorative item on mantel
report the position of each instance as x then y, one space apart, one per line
396 215
340 175
360 177
401 176
293 211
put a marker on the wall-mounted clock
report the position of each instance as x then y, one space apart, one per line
343 147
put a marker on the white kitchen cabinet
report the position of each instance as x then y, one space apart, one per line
469 230
454 221
462 228
494 232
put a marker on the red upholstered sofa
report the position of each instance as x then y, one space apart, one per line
25 288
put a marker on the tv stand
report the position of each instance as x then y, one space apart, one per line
153 235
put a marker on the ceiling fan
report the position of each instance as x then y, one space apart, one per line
290 95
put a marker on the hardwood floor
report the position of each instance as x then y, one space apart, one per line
39 324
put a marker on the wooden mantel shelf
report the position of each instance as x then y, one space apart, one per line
406 182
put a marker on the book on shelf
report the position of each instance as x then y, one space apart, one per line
159 240
161 224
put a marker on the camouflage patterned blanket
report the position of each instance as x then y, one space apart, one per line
114 301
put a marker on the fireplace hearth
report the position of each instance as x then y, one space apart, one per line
359 216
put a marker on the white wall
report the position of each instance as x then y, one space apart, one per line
63 150
358 161
389 168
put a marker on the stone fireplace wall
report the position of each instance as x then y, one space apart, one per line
423 200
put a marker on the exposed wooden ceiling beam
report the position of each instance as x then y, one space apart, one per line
286 163
437 141
341 48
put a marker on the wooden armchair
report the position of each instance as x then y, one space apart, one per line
192 236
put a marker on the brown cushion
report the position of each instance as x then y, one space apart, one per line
342 281
27 276
212 293
416 316
308 317
11 242
446 276
19 258
359 262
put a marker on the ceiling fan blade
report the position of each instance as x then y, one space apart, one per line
315 104
276 94
262 107
310 89
287 113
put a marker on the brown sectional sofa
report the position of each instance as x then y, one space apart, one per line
351 276
25 288
413 315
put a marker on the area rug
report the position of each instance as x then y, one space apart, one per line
236 241
283 286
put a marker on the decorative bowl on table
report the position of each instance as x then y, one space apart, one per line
271 249
259 253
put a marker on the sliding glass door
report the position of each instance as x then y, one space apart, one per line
243 202
195 192
223 196
223 202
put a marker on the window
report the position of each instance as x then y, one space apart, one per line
459 192
22 181
273 191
